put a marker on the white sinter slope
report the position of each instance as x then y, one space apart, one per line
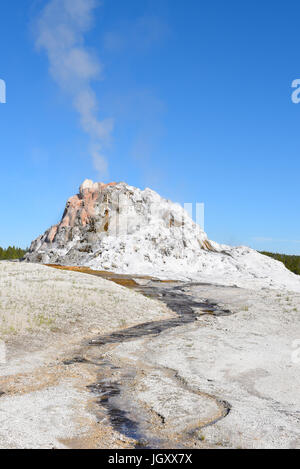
121 228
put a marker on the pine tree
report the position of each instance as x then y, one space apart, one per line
12 252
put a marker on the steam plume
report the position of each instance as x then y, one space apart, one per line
61 26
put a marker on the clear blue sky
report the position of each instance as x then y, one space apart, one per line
200 93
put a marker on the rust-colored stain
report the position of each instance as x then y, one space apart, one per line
208 245
120 279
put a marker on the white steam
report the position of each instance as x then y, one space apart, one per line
60 32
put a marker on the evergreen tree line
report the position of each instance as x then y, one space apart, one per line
12 252
291 262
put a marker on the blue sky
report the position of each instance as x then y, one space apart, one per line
200 96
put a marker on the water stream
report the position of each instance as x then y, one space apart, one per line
124 417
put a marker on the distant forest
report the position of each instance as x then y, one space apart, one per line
11 253
291 262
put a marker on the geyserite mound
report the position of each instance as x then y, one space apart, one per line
107 217
121 228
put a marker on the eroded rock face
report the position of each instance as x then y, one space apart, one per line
112 225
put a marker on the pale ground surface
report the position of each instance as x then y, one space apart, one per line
36 298
173 384
44 315
245 359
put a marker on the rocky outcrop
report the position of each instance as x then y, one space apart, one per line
103 219
120 228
